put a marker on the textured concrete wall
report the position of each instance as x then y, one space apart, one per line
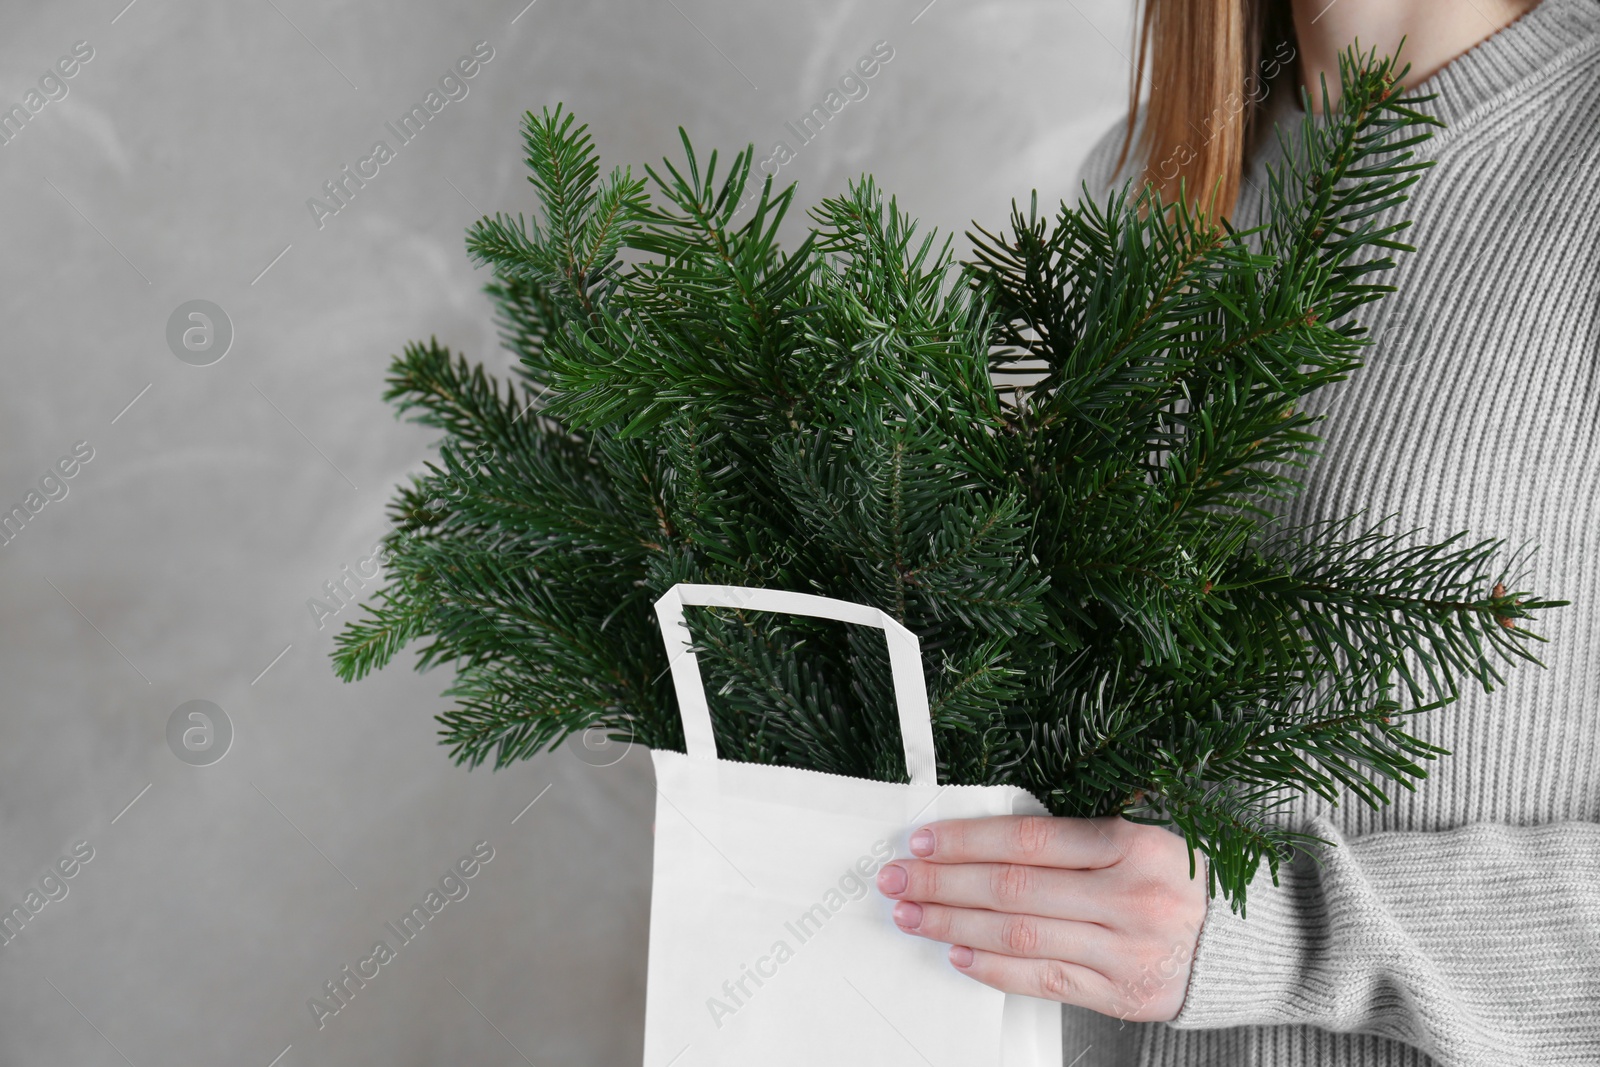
216 500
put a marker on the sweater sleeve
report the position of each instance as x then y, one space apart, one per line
1477 945
1099 168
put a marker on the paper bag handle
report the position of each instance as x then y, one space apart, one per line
905 662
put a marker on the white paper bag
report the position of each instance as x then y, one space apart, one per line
769 942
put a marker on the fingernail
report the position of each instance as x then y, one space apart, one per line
922 842
892 879
961 955
908 914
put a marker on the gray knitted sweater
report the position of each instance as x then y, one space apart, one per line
1459 924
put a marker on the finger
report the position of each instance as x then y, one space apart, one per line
1041 840
1009 887
1028 936
1069 983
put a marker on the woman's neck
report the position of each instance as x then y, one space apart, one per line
1435 32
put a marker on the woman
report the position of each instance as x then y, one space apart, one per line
1460 924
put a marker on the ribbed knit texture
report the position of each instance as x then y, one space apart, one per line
1459 924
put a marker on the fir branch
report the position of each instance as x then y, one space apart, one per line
1050 462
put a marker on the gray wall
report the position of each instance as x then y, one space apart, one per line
179 564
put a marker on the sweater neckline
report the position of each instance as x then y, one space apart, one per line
1497 65
1512 54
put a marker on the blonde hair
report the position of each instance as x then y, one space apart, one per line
1211 62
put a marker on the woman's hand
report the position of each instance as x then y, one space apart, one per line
1096 912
